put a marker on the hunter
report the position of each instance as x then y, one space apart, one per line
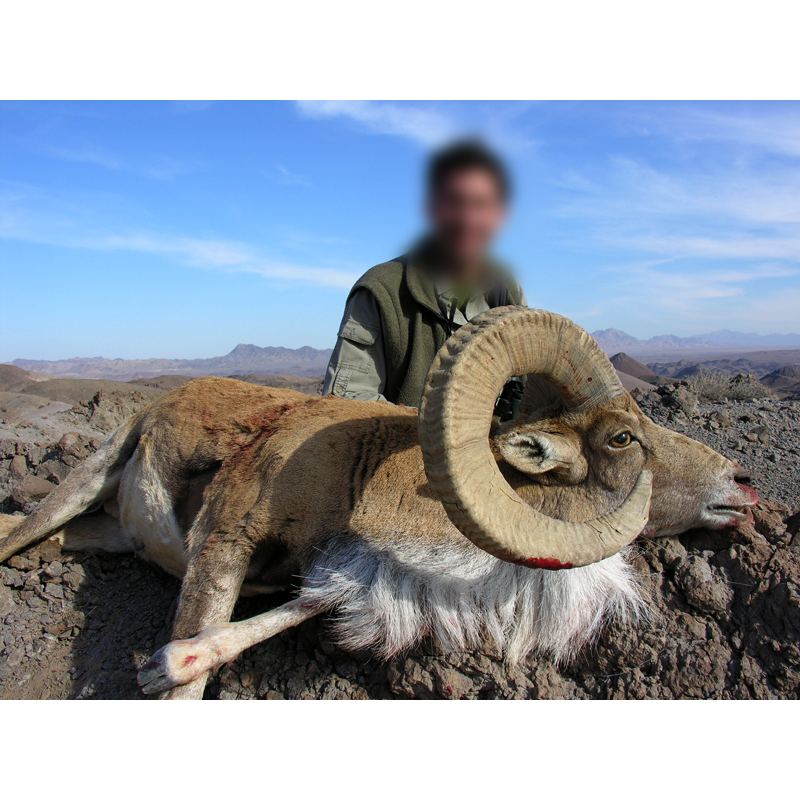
400 313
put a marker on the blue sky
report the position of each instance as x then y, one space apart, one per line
181 229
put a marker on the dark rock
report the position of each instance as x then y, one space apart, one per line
703 589
450 683
54 569
793 529
20 562
49 550
681 400
7 604
31 489
53 470
73 580
251 680
18 467
722 419
54 590
74 448
11 577
14 658
674 551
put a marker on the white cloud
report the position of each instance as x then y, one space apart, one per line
666 286
232 256
163 168
160 168
692 212
430 124
686 300
191 106
82 156
288 177
721 185
426 126
322 276
775 129
296 238
636 192
75 230
776 312
724 246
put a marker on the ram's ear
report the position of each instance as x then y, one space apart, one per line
536 452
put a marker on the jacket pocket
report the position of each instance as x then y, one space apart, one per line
342 380
357 332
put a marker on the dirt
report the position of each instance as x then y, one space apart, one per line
725 606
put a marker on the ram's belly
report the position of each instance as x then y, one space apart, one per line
147 514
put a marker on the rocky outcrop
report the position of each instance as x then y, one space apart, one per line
622 362
785 381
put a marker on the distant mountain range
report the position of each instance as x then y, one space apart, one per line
613 341
247 359
244 359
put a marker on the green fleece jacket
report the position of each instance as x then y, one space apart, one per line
413 325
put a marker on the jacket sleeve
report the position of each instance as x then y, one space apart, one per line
357 369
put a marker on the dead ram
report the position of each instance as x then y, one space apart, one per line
399 524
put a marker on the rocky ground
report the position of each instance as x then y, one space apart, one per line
726 607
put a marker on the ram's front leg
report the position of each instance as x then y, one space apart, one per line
208 594
185 663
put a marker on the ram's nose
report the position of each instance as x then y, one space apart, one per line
741 478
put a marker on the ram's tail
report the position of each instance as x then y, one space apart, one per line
94 480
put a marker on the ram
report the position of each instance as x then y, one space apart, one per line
399 524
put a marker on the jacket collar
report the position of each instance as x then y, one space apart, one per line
421 284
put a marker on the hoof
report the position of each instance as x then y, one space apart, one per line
175 664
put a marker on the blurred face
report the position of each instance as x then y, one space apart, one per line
465 213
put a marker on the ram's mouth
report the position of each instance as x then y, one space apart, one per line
724 516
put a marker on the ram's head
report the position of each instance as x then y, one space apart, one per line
582 472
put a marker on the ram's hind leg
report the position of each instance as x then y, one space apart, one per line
98 531
96 478
186 662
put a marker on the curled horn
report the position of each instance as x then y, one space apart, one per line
455 416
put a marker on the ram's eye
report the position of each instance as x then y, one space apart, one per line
621 440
